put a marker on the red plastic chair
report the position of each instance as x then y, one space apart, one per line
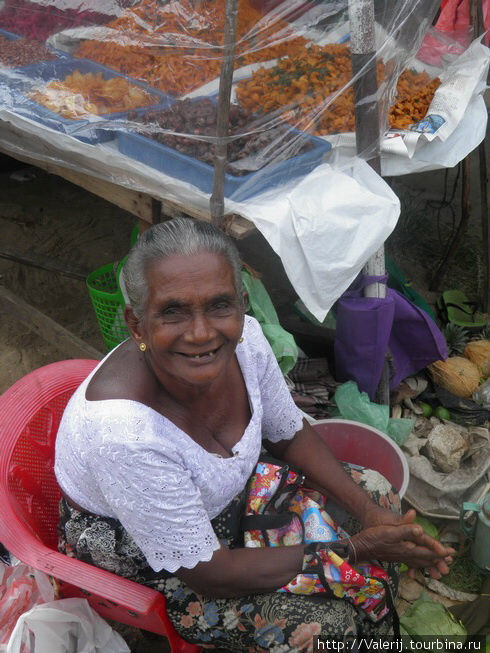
30 413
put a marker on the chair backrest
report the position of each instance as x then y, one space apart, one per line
31 412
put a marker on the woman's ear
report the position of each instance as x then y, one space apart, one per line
133 323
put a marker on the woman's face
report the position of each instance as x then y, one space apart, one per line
193 318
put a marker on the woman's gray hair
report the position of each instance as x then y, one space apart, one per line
181 236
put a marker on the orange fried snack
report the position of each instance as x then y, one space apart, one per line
414 95
314 89
82 94
177 47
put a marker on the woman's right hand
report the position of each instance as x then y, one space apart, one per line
404 542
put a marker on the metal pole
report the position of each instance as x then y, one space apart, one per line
363 54
217 202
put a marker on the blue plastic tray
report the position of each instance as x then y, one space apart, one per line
9 35
28 77
200 174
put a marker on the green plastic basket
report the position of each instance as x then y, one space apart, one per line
108 303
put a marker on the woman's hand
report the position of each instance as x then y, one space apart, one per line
403 542
375 515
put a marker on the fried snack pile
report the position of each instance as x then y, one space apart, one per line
199 117
177 48
305 86
414 93
83 94
23 52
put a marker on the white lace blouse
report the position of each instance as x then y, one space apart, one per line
121 459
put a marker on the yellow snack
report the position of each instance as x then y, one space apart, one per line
82 94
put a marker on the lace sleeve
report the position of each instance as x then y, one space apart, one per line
281 417
155 499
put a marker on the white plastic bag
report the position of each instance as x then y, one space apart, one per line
21 588
65 626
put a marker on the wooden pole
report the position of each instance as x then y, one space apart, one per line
363 54
217 202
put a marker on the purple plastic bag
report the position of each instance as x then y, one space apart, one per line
368 326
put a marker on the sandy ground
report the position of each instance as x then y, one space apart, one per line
44 215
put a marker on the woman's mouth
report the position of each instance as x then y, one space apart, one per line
207 355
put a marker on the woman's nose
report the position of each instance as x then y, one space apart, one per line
200 329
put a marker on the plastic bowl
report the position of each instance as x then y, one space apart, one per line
364 445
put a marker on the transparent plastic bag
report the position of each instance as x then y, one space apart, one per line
21 588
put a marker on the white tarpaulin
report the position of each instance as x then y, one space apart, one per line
326 227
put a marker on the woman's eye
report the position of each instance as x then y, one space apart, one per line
172 315
222 307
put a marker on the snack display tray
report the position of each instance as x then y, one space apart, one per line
200 174
27 78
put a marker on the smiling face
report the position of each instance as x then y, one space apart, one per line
193 319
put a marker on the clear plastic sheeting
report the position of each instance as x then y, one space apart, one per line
145 75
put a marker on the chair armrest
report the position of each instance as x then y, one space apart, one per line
126 593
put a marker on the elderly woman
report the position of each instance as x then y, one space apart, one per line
156 446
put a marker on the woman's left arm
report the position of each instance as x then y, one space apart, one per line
309 452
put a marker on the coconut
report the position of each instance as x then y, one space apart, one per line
478 352
456 374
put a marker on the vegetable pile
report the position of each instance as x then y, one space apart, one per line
314 86
178 48
37 21
246 151
23 52
81 94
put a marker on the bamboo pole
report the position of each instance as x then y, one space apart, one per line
363 54
217 201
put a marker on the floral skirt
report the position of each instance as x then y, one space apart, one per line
274 622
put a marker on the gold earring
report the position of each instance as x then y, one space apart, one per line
142 346
240 339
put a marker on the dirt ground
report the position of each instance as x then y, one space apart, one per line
44 215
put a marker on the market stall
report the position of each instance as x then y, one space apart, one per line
126 94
